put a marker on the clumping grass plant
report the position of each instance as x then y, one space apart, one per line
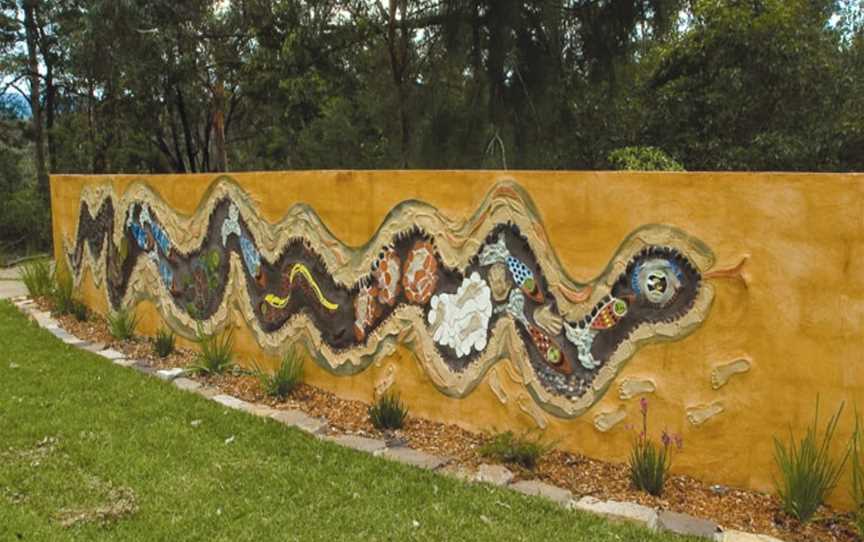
79 310
38 278
122 324
63 293
388 412
285 379
857 451
163 345
524 450
808 472
649 462
58 287
217 352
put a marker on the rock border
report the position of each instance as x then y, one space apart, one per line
498 475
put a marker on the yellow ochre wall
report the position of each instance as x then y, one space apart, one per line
798 315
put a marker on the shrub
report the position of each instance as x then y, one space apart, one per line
25 218
808 473
37 277
216 355
122 324
164 343
286 378
649 462
643 159
507 447
388 412
857 450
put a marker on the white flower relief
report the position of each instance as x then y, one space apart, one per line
461 320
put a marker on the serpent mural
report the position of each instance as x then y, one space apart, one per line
460 293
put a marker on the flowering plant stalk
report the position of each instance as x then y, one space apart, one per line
649 462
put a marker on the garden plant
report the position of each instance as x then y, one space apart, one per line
649 462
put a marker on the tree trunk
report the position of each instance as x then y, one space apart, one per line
219 150
31 32
398 66
187 129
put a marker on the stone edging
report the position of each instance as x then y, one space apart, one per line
653 519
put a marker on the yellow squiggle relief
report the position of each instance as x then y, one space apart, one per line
303 270
277 302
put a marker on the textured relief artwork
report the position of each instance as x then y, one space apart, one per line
461 292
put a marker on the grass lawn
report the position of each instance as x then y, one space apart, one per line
92 451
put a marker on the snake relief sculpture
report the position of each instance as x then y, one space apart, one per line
461 294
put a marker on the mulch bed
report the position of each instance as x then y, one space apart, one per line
739 509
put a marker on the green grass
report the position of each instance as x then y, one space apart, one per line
82 438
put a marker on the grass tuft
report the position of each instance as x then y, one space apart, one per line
524 450
857 451
217 352
649 465
38 278
122 324
808 472
63 293
388 412
287 377
163 345
80 311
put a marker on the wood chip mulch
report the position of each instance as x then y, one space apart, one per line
731 508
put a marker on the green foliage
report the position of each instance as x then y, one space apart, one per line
643 159
79 310
216 354
163 345
525 450
735 88
122 324
649 465
649 462
808 472
63 292
25 221
857 456
773 84
37 277
388 412
287 377
60 289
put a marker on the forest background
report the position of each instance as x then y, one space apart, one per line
153 86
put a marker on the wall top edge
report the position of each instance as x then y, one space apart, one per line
497 172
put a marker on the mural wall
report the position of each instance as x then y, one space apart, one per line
501 301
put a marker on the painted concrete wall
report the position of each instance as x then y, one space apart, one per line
794 311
